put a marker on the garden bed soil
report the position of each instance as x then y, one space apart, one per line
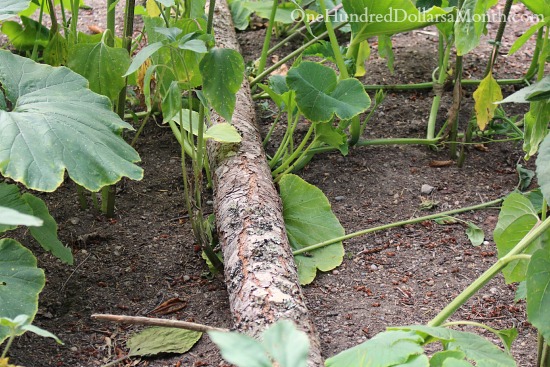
146 255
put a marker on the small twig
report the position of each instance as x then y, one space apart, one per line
74 271
140 320
116 361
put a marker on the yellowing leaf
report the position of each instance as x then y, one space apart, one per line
152 8
485 96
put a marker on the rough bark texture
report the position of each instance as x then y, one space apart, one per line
260 271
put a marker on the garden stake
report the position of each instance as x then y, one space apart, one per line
152 321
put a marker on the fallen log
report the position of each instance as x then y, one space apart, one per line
260 272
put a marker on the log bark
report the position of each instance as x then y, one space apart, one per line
260 271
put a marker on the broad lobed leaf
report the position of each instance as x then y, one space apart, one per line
517 217
309 220
320 95
57 124
20 282
538 291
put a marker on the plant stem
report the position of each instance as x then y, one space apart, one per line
108 194
81 197
430 85
438 88
74 20
396 224
543 355
183 142
34 54
334 43
534 61
210 21
138 115
388 141
466 140
299 31
498 37
267 38
63 18
296 162
455 109
53 16
271 129
111 12
511 123
296 153
543 54
291 55
284 142
8 344
470 323
489 274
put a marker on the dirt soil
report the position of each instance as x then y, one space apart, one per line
145 255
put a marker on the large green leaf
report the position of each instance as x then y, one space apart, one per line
389 348
24 37
20 282
55 53
438 359
285 11
58 124
286 344
537 91
320 95
517 217
21 324
385 50
282 343
102 65
240 14
538 291
480 350
520 41
224 133
470 24
10 198
309 220
486 95
222 73
46 234
373 17
240 350
332 136
10 8
541 7
543 168
474 347
155 340
536 126
14 218
177 64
